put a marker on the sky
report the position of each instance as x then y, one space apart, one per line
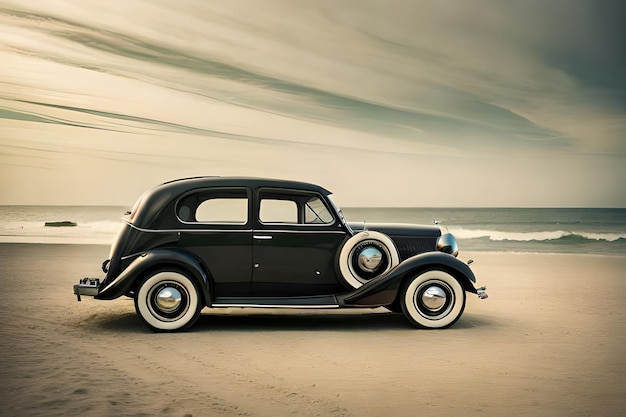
399 103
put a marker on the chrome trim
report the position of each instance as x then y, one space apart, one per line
214 223
370 258
134 255
299 224
168 299
262 237
230 230
275 306
482 292
372 240
447 243
437 312
87 286
301 231
187 230
434 298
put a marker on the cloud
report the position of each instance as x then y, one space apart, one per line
271 88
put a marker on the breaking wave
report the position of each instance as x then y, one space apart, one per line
562 236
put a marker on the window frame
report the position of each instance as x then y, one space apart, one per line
300 197
216 190
306 206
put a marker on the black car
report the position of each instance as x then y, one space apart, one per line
251 242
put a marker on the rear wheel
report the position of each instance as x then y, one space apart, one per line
433 300
168 301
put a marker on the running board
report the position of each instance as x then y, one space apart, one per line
324 301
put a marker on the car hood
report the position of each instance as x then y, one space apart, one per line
397 229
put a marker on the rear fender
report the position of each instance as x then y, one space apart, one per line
383 290
127 280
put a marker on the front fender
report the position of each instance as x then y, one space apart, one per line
127 280
383 290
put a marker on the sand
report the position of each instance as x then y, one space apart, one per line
550 340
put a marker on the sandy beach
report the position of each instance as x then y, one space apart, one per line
549 341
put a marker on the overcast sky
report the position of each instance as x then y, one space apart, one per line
385 103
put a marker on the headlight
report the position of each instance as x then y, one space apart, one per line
447 243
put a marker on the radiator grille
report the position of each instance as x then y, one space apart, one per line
411 246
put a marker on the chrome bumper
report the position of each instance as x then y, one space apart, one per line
87 286
482 292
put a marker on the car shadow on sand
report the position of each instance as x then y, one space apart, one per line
293 320
283 320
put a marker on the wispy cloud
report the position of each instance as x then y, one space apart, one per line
475 81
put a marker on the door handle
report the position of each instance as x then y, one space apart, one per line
262 237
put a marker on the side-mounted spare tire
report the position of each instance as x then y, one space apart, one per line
365 256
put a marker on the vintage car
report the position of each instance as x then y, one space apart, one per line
250 242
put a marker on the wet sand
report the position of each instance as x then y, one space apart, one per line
549 341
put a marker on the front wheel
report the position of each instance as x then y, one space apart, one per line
168 301
433 300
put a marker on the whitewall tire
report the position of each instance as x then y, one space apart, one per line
433 300
168 301
366 255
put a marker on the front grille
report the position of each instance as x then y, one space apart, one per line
411 246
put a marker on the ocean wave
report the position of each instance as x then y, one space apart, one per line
104 232
541 236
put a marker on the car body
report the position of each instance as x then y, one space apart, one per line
252 242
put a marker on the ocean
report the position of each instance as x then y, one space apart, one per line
534 230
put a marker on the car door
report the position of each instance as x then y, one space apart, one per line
295 240
218 231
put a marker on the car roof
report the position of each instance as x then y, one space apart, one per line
154 200
185 184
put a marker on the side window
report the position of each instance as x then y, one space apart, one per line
220 206
293 207
315 212
223 210
278 211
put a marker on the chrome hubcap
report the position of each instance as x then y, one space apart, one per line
168 299
370 259
434 298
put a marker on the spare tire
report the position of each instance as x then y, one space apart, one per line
366 255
